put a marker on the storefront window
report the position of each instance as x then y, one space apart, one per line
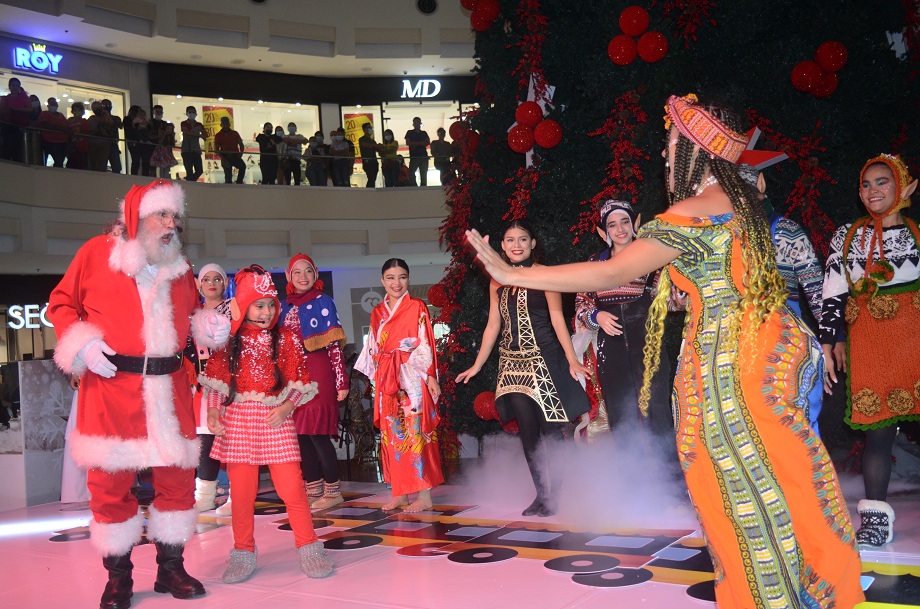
397 116
353 120
68 93
246 117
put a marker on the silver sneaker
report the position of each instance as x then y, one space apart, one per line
313 560
242 564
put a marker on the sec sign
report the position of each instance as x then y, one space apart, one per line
28 316
37 59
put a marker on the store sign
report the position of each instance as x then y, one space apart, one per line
36 58
426 87
28 316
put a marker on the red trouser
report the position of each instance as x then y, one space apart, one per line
112 502
244 485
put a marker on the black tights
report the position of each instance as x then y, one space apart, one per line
318 459
534 427
876 462
208 468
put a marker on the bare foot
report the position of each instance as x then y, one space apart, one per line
397 502
421 504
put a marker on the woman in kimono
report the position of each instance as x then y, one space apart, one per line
399 356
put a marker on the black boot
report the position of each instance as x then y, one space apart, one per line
120 587
171 575
543 505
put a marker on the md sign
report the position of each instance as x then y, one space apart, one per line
36 58
425 87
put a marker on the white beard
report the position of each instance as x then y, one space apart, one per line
159 253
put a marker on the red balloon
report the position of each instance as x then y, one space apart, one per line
520 138
548 134
806 75
511 426
529 113
826 86
634 20
458 129
652 46
622 50
474 141
480 23
489 9
831 56
437 295
469 5
484 406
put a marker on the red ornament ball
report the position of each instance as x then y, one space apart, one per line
520 138
806 75
511 426
458 129
548 134
474 140
826 86
469 5
528 113
622 50
437 295
634 20
489 9
652 46
484 406
480 23
831 56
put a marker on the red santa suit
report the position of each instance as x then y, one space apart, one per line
131 421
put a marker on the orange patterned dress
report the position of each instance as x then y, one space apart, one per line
762 483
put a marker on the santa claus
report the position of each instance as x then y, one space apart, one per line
122 314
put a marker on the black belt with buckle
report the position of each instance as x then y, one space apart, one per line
146 365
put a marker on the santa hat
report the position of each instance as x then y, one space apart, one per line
142 201
252 283
318 285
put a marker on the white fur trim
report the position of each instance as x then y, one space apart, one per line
116 539
114 454
77 336
199 328
174 528
878 506
308 391
167 197
128 257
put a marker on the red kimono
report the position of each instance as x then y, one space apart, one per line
399 355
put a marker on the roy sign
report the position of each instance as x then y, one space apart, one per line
36 58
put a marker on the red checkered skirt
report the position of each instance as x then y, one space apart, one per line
249 439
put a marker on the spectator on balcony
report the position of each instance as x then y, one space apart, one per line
388 150
368 148
143 137
76 155
229 146
343 158
418 141
163 158
102 131
192 134
55 133
293 150
114 158
441 150
15 108
268 154
317 163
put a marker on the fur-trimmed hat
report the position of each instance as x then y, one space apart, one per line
252 283
142 201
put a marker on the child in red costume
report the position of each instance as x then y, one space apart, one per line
254 385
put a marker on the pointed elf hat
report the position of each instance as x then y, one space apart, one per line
252 283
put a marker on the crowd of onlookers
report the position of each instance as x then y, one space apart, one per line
30 134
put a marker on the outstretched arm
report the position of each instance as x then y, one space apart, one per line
639 258
489 336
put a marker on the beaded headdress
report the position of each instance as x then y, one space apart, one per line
703 129
611 206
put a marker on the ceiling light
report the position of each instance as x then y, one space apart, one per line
261 102
357 105
178 97
297 104
220 99
70 99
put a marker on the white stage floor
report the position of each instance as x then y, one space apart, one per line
461 555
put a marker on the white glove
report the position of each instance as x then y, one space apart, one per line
94 356
217 327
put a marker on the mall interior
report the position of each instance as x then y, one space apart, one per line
322 65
